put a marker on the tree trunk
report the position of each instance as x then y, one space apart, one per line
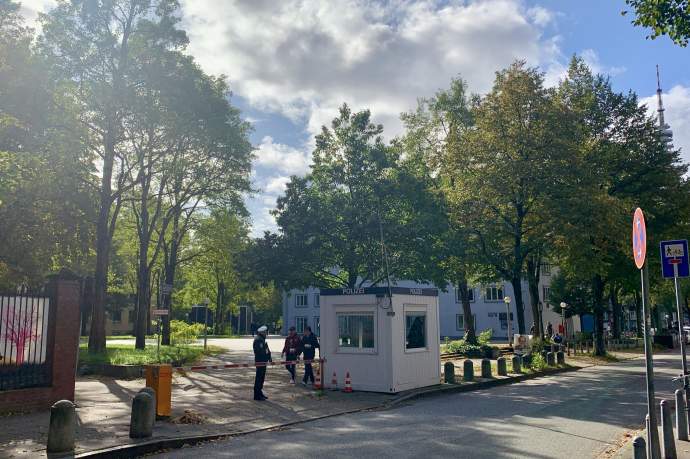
516 281
617 312
171 257
638 315
470 331
143 275
220 294
598 294
533 274
103 234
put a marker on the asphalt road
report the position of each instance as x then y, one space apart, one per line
573 415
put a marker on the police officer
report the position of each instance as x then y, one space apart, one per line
309 345
262 354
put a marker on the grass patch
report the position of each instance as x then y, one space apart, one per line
125 354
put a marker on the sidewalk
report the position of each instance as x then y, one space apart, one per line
222 401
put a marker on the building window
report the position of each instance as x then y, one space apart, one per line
356 331
502 319
116 316
546 269
300 324
494 293
317 300
301 300
317 326
470 292
460 321
546 293
415 330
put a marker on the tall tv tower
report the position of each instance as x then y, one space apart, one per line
666 133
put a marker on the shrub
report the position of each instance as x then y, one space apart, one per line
538 363
184 333
485 336
461 347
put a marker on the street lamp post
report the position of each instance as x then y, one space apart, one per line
541 318
506 300
206 303
563 306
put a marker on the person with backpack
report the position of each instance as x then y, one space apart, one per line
310 343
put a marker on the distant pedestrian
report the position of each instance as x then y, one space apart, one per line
252 328
292 350
533 329
561 329
549 329
557 338
309 345
262 355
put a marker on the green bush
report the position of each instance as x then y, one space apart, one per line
538 363
184 333
485 336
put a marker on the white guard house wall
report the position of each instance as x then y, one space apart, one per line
387 345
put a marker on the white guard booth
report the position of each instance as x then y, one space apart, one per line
387 339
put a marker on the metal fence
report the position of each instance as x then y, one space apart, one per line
25 351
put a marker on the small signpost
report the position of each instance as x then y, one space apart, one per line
674 264
639 246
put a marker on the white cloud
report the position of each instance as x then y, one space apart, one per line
275 185
676 115
281 157
305 58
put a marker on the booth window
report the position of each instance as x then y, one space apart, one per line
415 330
356 331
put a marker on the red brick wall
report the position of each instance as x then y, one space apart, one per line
65 348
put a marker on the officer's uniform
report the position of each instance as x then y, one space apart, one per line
309 345
262 354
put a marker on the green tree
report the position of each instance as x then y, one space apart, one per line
433 133
46 184
663 17
332 221
95 50
505 169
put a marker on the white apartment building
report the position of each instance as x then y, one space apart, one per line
302 308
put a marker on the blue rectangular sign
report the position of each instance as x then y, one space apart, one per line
674 253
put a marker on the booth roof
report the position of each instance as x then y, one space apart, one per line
379 291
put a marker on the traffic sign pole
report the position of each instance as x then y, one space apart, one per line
653 432
681 335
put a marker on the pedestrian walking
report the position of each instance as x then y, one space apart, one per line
310 343
262 355
291 351
549 329
533 329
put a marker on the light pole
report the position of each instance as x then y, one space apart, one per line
563 306
506 300
206 303
541 318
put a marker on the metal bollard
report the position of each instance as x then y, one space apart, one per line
681 418
554 347
63 422
527 360
551 359
667 431
560 358
517 364
141 422
639 448
468 370
486 368
501 366
152 393
449 373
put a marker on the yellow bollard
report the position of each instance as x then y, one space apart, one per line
159 378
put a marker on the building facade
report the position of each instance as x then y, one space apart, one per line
302 308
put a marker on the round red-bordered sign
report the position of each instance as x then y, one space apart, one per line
639 238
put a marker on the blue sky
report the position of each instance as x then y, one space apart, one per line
291 63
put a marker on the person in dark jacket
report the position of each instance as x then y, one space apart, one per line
291 351
310 343
262 355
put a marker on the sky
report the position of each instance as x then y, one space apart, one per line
292 63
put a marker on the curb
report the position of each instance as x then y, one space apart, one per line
152 446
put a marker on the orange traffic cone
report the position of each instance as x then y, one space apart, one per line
334 382
317 381
348 383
